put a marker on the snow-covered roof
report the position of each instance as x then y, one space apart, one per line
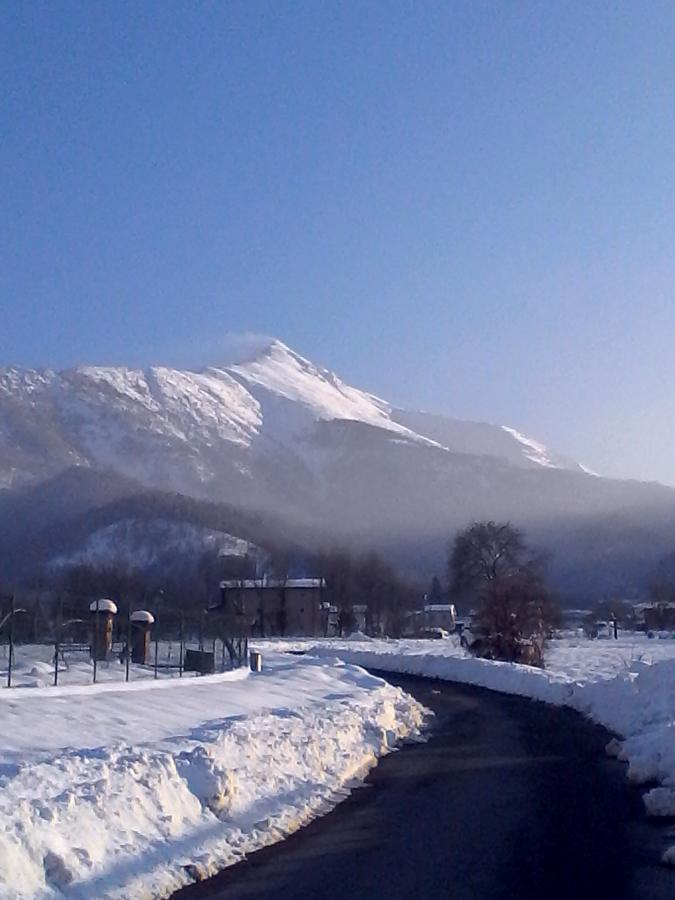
258 583
641 607
142 615
439 607
103 605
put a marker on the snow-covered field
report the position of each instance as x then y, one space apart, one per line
34 665
133 790
626 685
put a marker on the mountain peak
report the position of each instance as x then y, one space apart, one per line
279 371
239 349
192 424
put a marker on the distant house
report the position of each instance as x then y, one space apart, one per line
575 618
440 615
360 613
432 615
655 616
274 606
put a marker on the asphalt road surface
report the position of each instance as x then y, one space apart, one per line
508 799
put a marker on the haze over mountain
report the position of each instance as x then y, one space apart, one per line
276 435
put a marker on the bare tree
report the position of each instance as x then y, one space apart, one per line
513 608
369 581
336 569
485 553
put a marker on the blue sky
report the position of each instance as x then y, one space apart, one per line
466 207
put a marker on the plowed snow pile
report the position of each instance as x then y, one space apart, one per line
626 685
133 791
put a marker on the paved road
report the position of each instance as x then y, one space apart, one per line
508 800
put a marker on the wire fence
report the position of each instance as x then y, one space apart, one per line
77 641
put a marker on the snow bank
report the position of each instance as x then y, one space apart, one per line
627 685
129 791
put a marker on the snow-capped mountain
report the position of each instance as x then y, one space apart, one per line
275 435
205 431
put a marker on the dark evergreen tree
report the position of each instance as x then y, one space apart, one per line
435 591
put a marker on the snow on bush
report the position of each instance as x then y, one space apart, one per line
242 763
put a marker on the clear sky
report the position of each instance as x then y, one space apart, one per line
466 207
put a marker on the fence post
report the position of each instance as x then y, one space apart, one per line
128 653
156 646
181 625
10 663
57 643
94 646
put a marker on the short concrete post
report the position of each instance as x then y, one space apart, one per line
141 622
102 628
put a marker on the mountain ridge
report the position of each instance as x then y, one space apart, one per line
272 396
277 436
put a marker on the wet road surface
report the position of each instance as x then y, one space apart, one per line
508 800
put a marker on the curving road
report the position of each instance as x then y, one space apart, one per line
509 799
